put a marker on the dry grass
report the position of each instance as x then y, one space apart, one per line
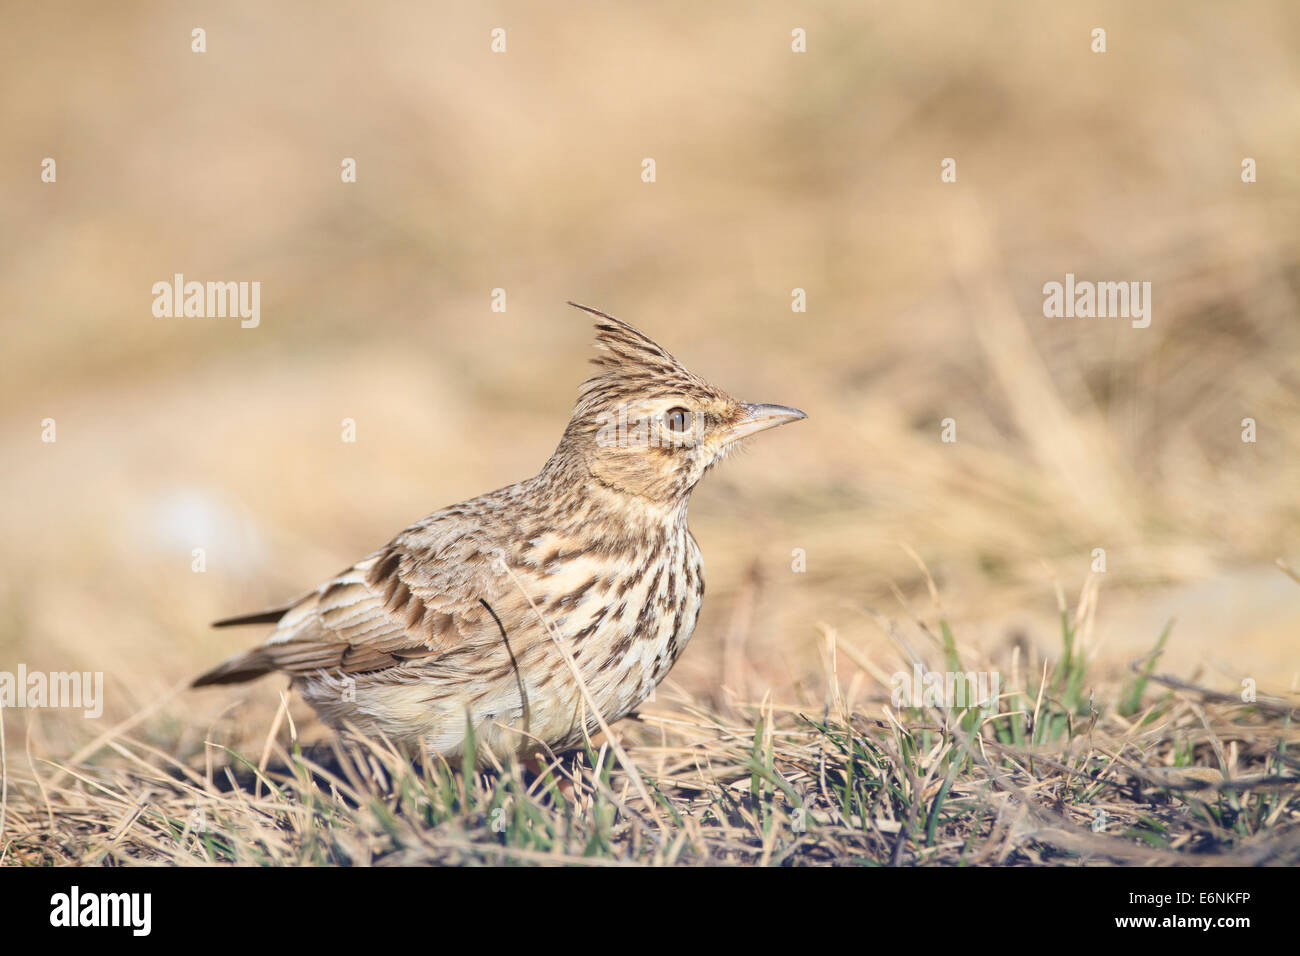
1151 770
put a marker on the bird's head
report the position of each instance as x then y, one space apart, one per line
645 425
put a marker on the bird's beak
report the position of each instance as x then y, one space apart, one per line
757 418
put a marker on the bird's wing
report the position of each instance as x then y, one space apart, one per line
420 596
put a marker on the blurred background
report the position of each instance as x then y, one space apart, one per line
775 171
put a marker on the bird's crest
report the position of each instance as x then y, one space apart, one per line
630 363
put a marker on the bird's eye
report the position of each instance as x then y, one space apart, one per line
677 419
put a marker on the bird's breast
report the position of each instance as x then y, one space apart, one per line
625 613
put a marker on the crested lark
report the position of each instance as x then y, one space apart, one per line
465 615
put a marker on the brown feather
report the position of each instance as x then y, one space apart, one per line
443 622
257 617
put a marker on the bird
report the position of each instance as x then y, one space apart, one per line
523 618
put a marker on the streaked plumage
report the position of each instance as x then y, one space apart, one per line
447 619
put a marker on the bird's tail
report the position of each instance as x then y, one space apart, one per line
250 664
246 666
